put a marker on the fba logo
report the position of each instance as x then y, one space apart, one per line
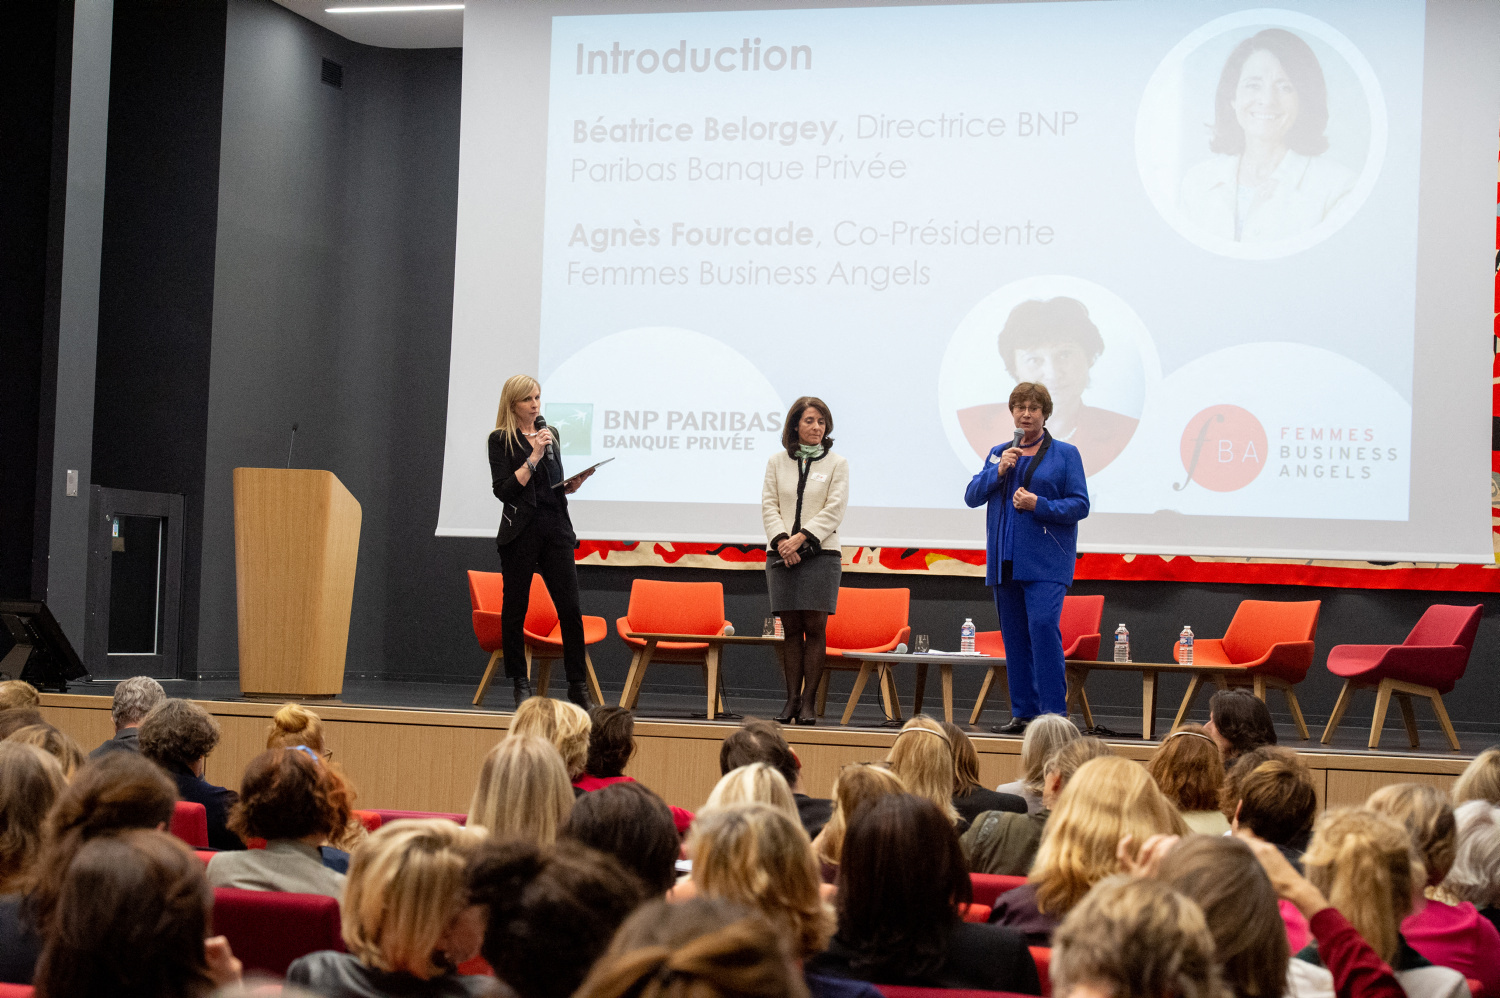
1223 449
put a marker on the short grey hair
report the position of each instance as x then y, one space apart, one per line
1475 876
1044 735
134 698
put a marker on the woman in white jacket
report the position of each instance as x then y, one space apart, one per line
802 502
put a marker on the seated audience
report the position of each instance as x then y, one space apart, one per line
1269 792
132 919
857 784
30 781
178 735
18 693
1005 843
551 911
1238 721
407 919
762 741
55 742
1480 779
1134 938
1475 876
523 790
632 824
756 782
16 718
924 761
1106 800
119 792
703 948
134 698
1449 935
901 883
1364 864
970 798
1044 735
1190 771
566 725
292 801
611 744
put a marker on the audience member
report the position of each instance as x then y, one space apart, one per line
523 789
632 824
132 921
1106 800
134 698
762 741
551 911
178 735
1449 935
1005 843
758 855
16 718
923 759
55 742
1480 779
30 781
1475 876
293 725
1269 791
756 782
1238 722
1190 771
970 798
1134 938
407 919
901 882
703 948
566 725
119 792
1044 735
857 784
18 693
290 799
611 744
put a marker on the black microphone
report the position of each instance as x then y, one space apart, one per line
1015 441
291 445
541 424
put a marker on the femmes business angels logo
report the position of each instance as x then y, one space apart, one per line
1223 449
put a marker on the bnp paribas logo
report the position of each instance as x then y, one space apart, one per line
575 425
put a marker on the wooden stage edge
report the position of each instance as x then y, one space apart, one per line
428 760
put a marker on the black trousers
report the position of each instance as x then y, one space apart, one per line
545 547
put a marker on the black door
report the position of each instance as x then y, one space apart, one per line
135 583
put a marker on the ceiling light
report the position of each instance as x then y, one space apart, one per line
402 9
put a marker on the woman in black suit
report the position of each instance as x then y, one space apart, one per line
536 535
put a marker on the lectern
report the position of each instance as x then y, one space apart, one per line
296 542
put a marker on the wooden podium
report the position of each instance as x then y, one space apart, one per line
296 543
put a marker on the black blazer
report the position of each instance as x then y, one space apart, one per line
518 502
980 957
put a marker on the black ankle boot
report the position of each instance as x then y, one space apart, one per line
521 688
579 693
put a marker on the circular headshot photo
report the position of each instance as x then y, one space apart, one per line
1080 340
1259 140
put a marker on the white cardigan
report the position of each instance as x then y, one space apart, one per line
825 496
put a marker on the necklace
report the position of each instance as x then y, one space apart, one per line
1028 446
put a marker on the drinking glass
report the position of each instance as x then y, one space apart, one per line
921 644
768 628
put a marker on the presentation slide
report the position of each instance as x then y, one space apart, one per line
1196 223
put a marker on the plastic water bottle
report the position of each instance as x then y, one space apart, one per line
966 637
779 632
1122 644
1185 646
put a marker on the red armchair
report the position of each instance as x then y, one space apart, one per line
868 620
673 608
1079 625
267 930
1428 664
1268 645
542 631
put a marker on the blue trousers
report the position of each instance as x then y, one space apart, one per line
1029 615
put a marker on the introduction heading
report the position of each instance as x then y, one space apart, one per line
751 59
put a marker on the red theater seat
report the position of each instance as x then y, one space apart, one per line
268 930
370 819
1079 625
1043 957
16 991
386 816
190 824
902 991
989 886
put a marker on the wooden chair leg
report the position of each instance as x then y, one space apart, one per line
823 692
888 692
598 693
1382 704
543 676
631 692
859 689
1442 716
1346 696
984 694
489 673
1296 709
713 679
1078 694
1187 700
1408 717
1258 687
946 670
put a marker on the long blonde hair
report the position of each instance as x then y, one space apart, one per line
1106 800
523 791
30 781
754 854
923 759
1364 864
857 784
756 782
566 725
516 388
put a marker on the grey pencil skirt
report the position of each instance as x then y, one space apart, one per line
811 584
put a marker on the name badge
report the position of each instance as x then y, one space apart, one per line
994 459
818 476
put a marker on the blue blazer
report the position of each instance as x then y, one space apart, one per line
1045 544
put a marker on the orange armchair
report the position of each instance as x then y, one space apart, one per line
1268 644
542 631
868 620
1079 625
673 608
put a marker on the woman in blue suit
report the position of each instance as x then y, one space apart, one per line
1036 494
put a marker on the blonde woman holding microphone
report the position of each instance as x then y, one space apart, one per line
802 503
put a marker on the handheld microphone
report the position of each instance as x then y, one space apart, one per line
291 445
541 424
1015 440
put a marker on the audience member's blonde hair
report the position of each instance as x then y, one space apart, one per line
1106 800
30 780
56 743
293 725
923 759
405 887
1365 866
1428 818
1136 938
18 693
1475 876
1044 736
523 791
857 784
1066 760
1480 779
756 782
566 725
754 854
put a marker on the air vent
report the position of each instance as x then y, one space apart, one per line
333 74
